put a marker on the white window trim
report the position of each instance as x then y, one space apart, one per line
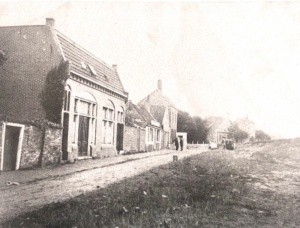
107 120
19 144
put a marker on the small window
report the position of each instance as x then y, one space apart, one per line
105 78
83 65
92 70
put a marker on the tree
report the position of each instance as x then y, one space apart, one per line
261 136
194 126
52 95
237 134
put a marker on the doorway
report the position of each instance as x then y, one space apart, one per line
65 136
12 143
83 136
120 130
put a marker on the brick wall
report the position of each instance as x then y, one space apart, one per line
131 139
31 52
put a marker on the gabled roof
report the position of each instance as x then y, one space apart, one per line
214 122
157 98
158 111
95 69
244 121
136 115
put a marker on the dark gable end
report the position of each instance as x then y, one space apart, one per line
86 64
30 52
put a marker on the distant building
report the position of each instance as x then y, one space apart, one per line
218 129
92 121
248 126
164 111
142 131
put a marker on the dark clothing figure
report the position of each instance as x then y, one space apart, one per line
176 143
181 143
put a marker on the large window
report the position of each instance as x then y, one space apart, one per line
108 123
67 98
85 105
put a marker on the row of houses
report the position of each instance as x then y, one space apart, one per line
96 119
218 128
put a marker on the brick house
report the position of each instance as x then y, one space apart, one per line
142 131
218 129
164 112
92 117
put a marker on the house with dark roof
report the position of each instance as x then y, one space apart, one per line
218 129
164 111
91 118
142 131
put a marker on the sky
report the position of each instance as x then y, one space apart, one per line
230 59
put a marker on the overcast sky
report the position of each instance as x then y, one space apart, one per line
214 59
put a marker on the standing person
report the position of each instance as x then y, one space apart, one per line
176 143
181 143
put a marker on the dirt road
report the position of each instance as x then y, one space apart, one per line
16 199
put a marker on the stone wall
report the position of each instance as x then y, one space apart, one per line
131 139
1 130
38 149
31 147
52 146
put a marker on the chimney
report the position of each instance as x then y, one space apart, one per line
115 67
50 22
159 85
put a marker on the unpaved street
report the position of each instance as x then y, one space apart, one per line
16 199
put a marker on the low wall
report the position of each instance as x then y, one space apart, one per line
197 146
52 146
130 143
41 146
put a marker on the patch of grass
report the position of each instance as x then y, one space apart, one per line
197 191
213 189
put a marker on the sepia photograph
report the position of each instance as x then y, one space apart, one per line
149 114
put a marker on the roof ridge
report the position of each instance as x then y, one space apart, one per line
83 49
10 26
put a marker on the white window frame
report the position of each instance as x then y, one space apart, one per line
106 120
92 115
22 127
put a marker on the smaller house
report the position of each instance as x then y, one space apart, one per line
218 129
164 111
142 131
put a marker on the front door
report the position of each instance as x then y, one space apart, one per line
65 137
120 129
83 135
12 135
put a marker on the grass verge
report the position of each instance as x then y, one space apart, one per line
213 189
